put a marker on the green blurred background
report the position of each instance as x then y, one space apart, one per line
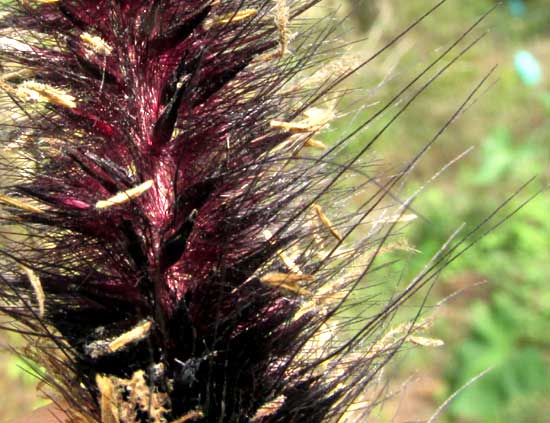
504 321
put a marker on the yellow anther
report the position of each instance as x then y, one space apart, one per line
326 221
287 281
125 196
101 347
138 333
311 143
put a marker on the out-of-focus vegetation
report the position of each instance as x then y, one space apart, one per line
502 323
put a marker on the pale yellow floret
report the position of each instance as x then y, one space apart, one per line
282 19
426 342
319 145
95 43
37 287
39 92
125 196
294 127
315 120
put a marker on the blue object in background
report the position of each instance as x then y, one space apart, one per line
528 68
517 7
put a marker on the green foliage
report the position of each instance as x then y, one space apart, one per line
20 370
507 327
496 340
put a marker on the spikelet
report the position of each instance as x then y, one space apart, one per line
150 159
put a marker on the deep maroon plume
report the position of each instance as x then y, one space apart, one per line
174 241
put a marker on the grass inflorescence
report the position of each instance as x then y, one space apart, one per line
177 244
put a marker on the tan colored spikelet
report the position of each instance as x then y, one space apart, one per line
326 221
152 402
101 347
268 409
287 281
97 44
135 334
108 401
37 287
282 18
36 91
121 399
125 196
20 204
232 17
